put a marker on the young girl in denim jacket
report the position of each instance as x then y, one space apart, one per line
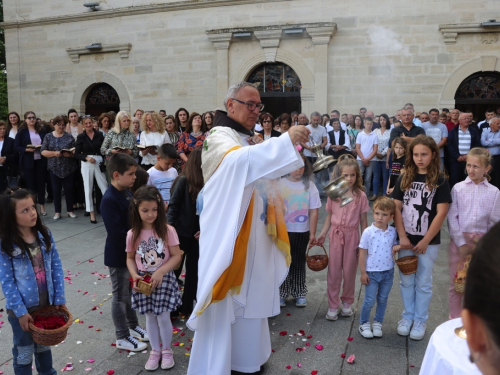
31 276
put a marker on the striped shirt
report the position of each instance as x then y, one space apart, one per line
475 209
491 141
464 140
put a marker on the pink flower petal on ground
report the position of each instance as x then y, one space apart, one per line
88 369
289 367
308 344
283 333
175 344
91 360
299 364
350 338
319 347
351 359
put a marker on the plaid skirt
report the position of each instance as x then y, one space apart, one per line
165 297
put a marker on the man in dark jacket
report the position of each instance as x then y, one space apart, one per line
460 140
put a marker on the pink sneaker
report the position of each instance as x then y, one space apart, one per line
167 359
153 361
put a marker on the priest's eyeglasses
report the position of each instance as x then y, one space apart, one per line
251 106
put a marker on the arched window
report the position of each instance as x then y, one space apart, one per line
102 98
478 92
279 87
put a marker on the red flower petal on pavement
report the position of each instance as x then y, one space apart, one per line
289 367
113 344
272 351
412 365
288 314
298 349
309 337
301 331
110 372
183 333
350 338
319 347
91 326
91 261
283 333
308 344
342 355
314 372
175 344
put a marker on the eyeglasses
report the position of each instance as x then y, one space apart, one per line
31 118
251 106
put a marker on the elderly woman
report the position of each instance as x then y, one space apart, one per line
120 138
88 151
481 303
8 162
193 137
153 135
58 148
267 121
32 164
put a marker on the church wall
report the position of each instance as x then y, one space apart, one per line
382 55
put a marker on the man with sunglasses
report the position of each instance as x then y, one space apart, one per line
241 266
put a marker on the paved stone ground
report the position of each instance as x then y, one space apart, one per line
81 245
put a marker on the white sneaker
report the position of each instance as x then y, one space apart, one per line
418 330
365 330
377 329
404 326
139 333
332 314
131 344
282 302
346 310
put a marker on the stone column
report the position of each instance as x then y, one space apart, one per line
321 37
221 43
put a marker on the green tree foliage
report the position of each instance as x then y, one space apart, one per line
4 105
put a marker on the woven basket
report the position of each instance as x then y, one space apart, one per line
53 336
407 265
317 262
459 279
144 287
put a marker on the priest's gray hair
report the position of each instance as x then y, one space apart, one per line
234 89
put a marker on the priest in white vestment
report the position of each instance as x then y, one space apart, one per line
244 248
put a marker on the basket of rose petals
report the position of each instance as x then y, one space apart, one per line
50 325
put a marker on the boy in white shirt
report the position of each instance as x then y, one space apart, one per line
162 175
377 265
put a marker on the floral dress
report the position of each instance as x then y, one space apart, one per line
187 143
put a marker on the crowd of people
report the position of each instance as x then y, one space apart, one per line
152 177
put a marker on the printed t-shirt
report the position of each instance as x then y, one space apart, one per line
151 252
162 180
397 165
379 245
298 202
317 134
420 206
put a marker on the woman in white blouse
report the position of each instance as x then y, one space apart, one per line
381 167
154 135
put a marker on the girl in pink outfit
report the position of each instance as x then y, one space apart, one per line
346 223
475 209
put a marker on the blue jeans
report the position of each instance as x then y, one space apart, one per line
124 317
367 172
380 171
379 288
416 289
23 350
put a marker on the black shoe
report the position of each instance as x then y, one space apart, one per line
86 214
93 221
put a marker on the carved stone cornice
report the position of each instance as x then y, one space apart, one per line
312 26
122 49
451 31
321 35
221 41
270 41
131 11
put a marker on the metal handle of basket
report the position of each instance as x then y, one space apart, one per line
399 248
310 247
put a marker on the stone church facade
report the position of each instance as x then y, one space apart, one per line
324 54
